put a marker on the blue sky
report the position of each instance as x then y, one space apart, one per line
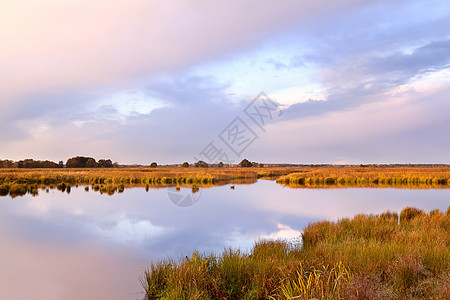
143 81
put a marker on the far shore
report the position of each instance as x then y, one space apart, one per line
20 181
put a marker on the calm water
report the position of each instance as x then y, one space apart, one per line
84 245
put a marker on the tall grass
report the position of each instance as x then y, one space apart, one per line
365 257
110 180
19 182
320 177
368 177
326 283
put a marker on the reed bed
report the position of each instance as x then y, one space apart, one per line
18 182
384 256
135 175
368 177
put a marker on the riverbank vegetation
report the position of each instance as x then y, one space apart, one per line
18 182
382 256
368 177
109 180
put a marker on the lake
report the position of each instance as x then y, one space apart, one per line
84 245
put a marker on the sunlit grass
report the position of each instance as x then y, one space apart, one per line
365 257
116 180
368 177
110 180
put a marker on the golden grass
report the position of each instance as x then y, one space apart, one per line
133 174
115 180
408 177
366 257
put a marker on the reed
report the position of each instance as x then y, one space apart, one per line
18 189
312 177
368 177
365 257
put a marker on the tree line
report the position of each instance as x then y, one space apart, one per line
90 162
74 162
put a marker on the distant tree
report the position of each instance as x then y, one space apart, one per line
220 165
7 164
115 164
77 162
34 164
261 165
48 164
201 164
153 165
185 164
91 163
245 163
105 163
61 164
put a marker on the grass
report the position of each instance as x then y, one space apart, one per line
365 257
368 177
111 180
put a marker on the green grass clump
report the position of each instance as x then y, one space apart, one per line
365 257
327 282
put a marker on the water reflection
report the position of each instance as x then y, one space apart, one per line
92 246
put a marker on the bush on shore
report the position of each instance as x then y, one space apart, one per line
365 257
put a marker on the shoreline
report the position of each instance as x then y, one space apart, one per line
364 257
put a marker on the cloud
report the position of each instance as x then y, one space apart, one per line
295 62
50 45
126 231
399 127
284 232
357 82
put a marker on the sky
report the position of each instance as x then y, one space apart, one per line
350 81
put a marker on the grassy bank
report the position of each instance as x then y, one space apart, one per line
366 257
368 177
16 182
